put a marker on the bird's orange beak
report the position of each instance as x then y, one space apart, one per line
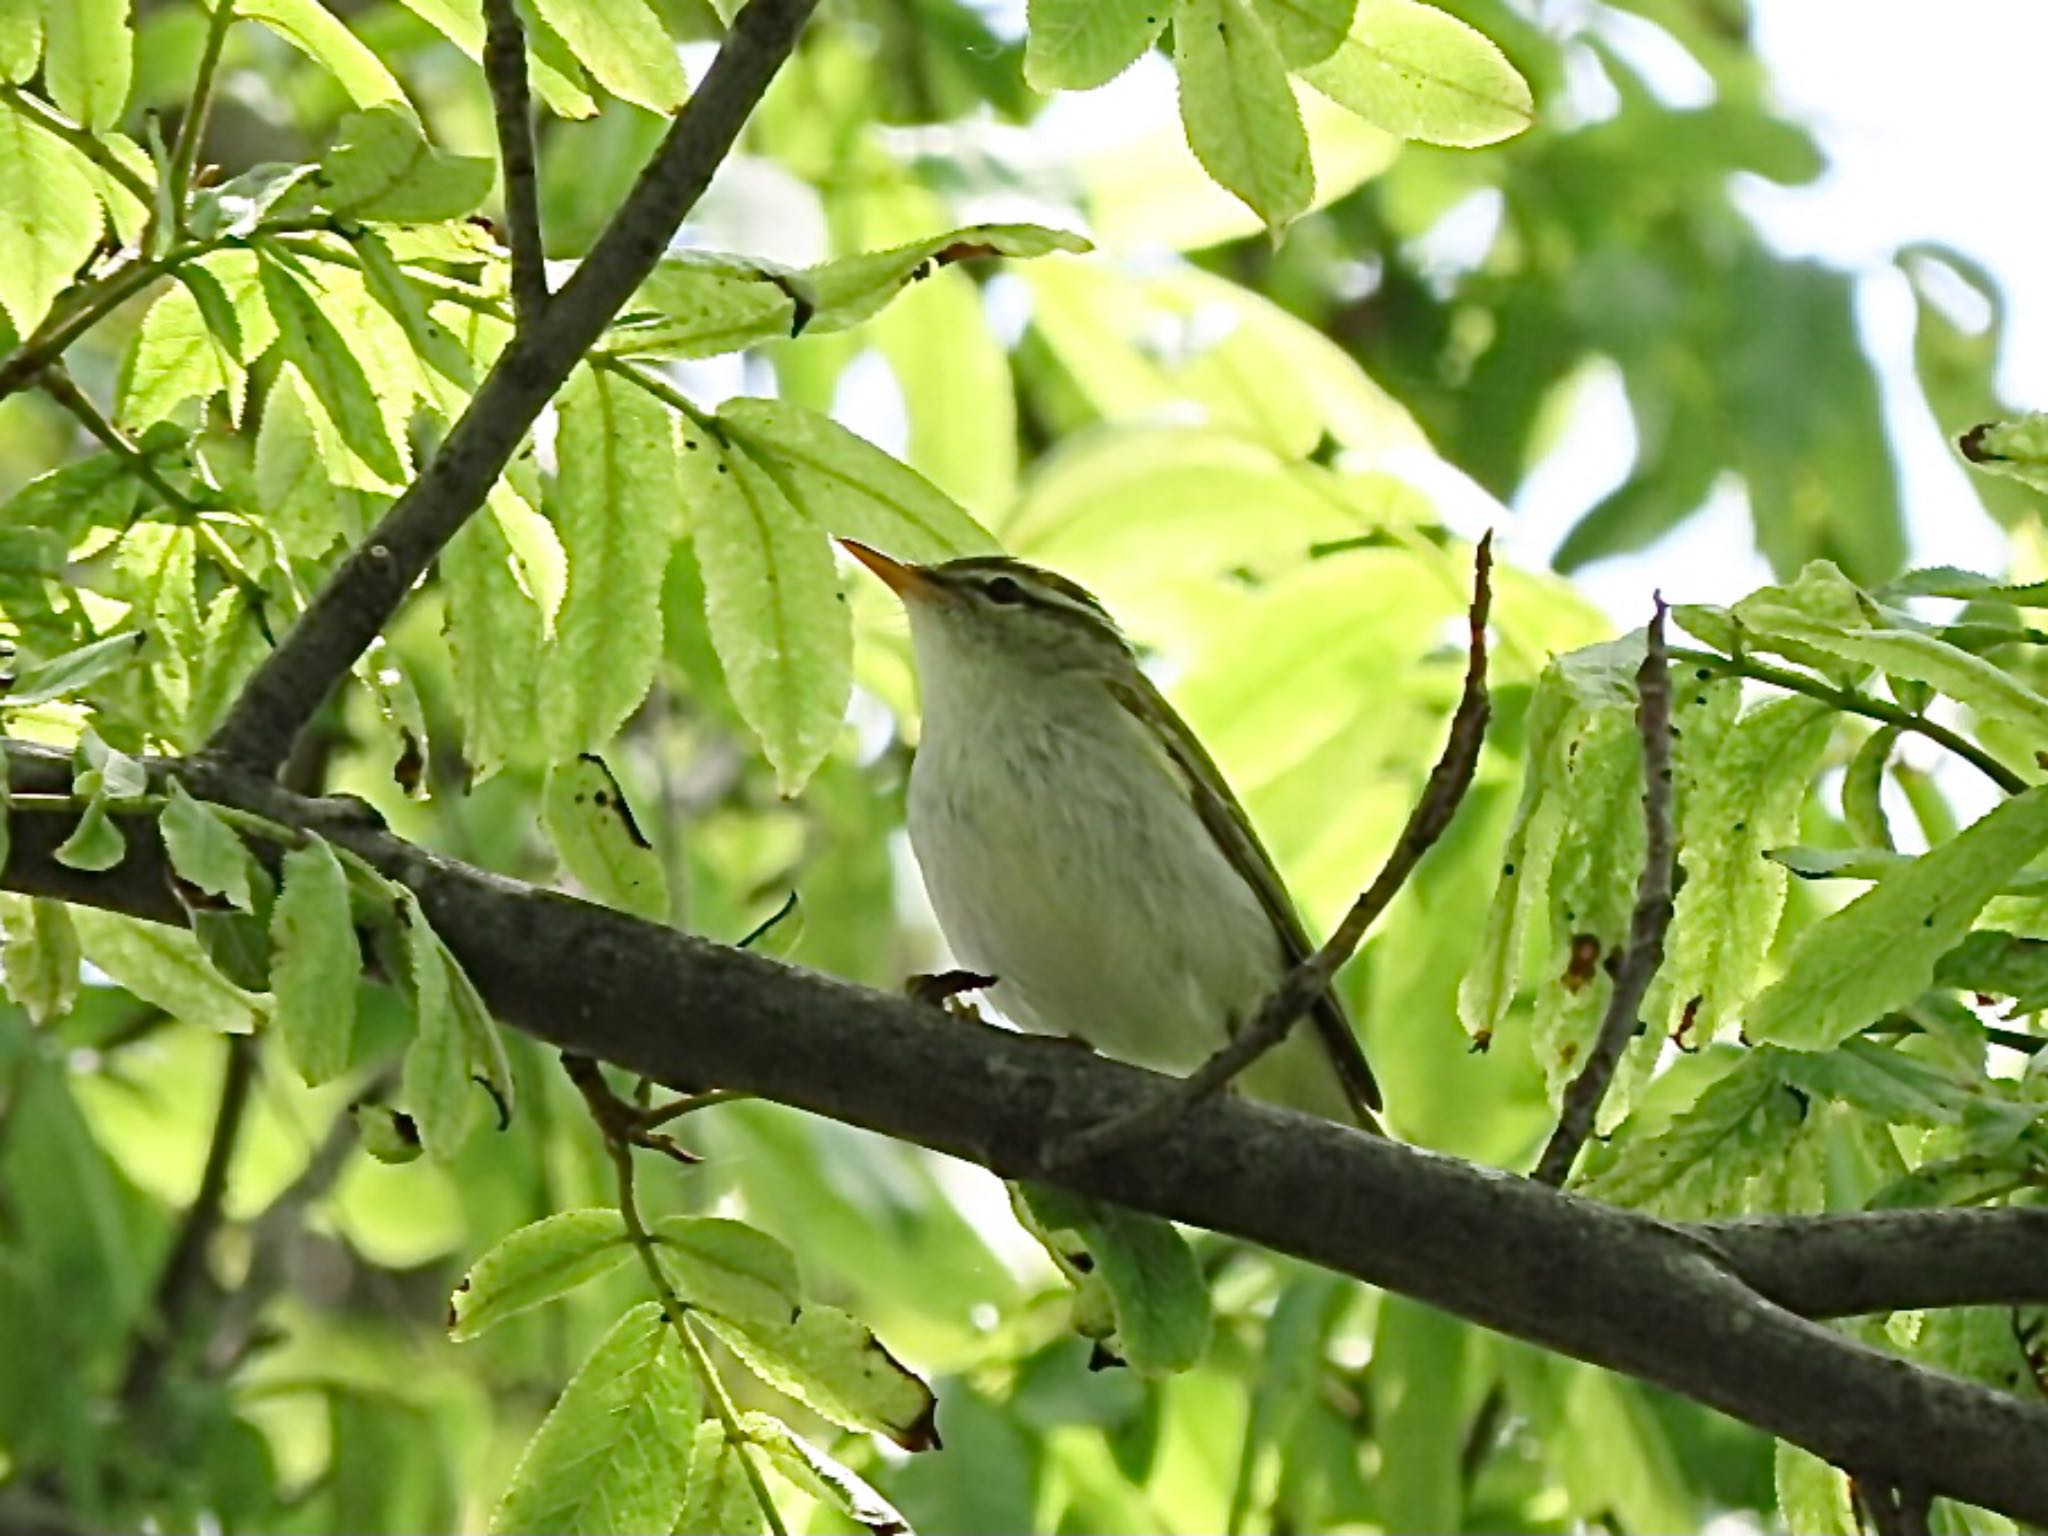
904 580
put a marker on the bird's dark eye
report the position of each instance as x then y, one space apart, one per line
1004 589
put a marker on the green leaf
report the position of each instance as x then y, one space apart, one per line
88 58
1966 678
835 1486
834 1366
1750 789
1703 1163
846 485
1076 45
316 32
239 205
436 1082
1884 1081
1863 788
1238 109
2004 963
2018 448
844 292
39 960
95 844
624 46
615 508
729 1268
614 1454
388 1136
205 850
1158 1299
449 370
1879 952
21 40
721 1500
490 1064
1421 73
1308 31
593 829
1950 581
703 303
166 966
1813 1497
777 616
494 641
381 169
317 961
49 220
69 674
534 1265
332 369
308 506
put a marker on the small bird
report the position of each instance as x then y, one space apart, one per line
1079 845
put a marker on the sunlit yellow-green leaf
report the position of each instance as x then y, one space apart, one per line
322 36
599 841
88 59
532 1266
317 960
49 220
616 509
1238 109
777 615
1879 952
613 1455
625 46
1076 45
1422 73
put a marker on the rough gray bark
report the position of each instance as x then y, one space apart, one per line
1722 1312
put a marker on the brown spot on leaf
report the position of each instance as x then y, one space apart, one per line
1585 955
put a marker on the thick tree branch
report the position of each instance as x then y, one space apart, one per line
505 70
1647 924
1700 1310
356 604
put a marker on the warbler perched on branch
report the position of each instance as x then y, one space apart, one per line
1079 844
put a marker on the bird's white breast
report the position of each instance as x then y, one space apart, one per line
1062 856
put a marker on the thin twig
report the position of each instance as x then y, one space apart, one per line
88 144
83 306
185 1265
673 1310
1647 926
505 72
59 386
192 127
1299 989
1854 702
293 682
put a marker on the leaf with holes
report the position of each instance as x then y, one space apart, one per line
599 841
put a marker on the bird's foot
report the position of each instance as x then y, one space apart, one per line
947 990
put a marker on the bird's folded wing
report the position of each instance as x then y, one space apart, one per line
1210 794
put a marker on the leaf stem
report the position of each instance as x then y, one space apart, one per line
60 387
1854 702
192 129
676 1313
88 144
